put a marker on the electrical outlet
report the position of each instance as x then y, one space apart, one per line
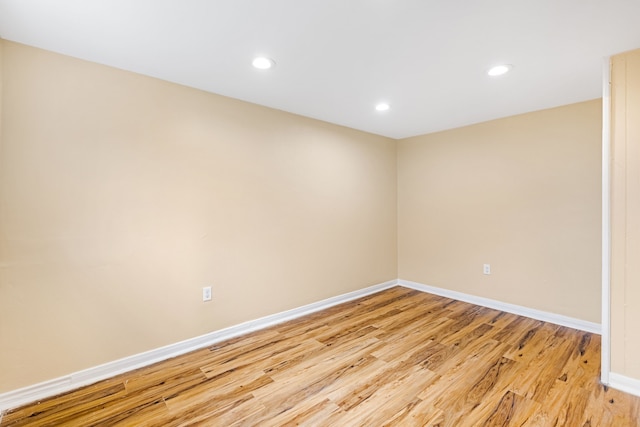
486 269
206 293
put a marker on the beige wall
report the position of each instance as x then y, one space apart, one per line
121 196
522 194
625 214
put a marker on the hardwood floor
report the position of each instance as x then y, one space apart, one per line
396 358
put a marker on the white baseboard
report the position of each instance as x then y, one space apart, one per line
79 379
545 316
623 383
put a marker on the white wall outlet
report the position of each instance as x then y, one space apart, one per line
206 293
486 268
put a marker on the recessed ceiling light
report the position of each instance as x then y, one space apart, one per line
263 63
499 70
383 106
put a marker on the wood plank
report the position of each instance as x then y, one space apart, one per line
395 358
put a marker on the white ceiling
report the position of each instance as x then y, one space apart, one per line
335 59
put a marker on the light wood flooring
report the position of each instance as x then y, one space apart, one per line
396 358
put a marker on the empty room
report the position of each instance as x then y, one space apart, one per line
319 213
